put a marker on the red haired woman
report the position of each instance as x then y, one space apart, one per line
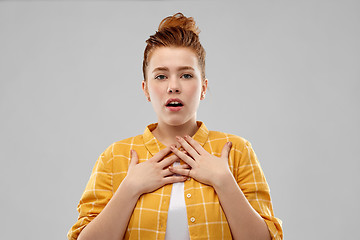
177 180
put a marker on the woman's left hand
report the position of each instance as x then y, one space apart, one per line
204 167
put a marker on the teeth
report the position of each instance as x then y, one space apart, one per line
174 103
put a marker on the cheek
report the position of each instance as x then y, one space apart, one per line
197 88
155 92
195 92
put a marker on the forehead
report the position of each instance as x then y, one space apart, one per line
173 57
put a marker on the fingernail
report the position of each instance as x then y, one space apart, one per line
229 144
131 152
172 147
178 138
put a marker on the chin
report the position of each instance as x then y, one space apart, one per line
176 121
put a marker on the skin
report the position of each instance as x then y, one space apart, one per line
244 221
174 73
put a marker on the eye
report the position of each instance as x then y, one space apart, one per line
186 76
160 77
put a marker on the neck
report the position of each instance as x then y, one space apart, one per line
166 133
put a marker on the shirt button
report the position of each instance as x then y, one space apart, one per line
188 195
192 219
189 178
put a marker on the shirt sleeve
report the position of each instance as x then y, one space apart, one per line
252 182
97 194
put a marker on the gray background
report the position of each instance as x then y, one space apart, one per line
283 74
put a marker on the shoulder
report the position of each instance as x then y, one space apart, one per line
125 144
119 151
221 137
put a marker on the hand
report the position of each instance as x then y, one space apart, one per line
152 174
205 168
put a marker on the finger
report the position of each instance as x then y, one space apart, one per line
195 145
188 160
180 171
168 161
184 151
188 148
183 166
160 155
174 179
226 150
134 158
166 172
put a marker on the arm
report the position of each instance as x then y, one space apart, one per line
112 221
244 221
239 213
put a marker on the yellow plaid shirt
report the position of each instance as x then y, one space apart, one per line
206 219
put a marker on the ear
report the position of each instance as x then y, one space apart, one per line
145 89
203 89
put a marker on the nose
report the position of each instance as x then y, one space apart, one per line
174 86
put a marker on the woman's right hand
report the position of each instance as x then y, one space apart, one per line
152 174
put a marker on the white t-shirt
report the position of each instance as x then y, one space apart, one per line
177 224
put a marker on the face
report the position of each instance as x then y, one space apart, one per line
174 85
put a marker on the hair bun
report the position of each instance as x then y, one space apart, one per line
179 20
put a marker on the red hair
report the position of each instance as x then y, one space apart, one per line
176 31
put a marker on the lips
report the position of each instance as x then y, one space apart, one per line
174 104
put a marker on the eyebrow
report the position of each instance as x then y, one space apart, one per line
167 69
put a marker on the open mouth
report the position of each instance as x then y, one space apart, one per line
174 104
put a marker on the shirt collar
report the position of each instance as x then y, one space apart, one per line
154 146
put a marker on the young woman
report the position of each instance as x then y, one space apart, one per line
177 180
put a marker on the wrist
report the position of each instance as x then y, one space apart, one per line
130 188
223 180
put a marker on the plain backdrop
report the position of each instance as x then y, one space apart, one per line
282 74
